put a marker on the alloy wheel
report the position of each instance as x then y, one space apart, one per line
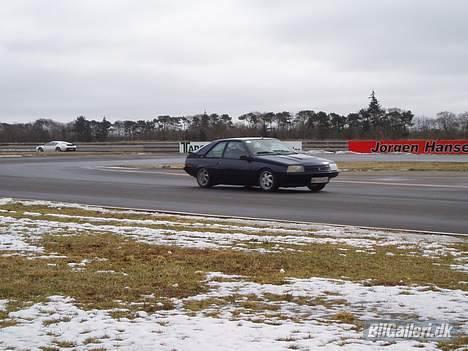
267 181
203 178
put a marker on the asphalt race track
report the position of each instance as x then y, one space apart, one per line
430 201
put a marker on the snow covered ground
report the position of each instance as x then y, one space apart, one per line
60 322
297 315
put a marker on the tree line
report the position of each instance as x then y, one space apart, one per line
374 122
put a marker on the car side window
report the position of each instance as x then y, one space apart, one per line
216 151
234 150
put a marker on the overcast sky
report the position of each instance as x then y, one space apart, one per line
138 59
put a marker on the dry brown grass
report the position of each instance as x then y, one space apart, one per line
458 343
142 269
305 300
200 305
139 270
64 343
347 318
344 317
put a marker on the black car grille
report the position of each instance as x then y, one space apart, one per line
320 168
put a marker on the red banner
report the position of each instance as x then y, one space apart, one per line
418 146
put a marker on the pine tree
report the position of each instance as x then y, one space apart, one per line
375 111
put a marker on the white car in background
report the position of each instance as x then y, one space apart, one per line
56 146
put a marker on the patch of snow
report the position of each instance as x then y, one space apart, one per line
459 268
33 214
61 320
11 241
6 201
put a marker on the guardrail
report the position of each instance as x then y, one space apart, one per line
327 145
158 146
23 147
149 147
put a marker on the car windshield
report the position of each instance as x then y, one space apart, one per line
268 147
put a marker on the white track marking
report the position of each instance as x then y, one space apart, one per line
136 170
402 184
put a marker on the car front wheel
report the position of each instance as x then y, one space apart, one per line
316 187
57 149
267 180
203 178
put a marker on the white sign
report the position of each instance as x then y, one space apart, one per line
190 146
295 145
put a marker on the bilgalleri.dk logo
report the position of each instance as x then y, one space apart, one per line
409 329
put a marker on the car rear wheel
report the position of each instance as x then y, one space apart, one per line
57 149
40 149
267 180
203 178
316 187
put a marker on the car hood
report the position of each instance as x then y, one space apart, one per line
295 159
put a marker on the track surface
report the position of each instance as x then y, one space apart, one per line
432 201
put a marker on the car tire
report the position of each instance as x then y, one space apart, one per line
204 178
267 180
315 188
57 149
40 149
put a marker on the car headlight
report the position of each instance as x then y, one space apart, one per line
295 169
333 166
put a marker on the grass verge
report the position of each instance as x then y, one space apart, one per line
17 210
120 273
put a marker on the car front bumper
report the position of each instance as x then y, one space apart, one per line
302 179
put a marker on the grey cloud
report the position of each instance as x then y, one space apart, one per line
414 36
127 59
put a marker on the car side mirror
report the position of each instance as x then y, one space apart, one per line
245 158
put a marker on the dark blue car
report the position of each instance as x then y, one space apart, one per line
264 162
